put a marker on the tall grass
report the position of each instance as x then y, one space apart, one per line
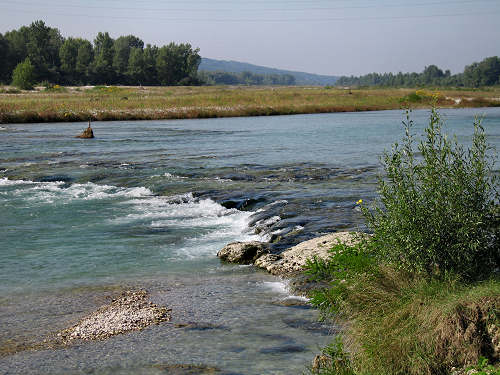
121 103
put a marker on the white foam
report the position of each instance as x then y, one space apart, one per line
282 287
4 181
50 192
276 286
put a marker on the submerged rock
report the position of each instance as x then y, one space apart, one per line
243 252
87 133
130 312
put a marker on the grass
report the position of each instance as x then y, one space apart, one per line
400 323
150 103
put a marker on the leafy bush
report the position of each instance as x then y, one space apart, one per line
439 212
23 75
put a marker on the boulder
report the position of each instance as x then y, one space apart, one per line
243 252
294 259
87 133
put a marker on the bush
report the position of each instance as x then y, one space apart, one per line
438 212
23 75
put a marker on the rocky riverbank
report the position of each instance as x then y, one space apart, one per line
288 262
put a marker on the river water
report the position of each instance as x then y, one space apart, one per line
147 204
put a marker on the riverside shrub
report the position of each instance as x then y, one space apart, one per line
23 75
438 209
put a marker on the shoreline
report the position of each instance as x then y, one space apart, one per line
38 118
110 103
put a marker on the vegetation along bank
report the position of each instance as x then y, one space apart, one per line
421 293
101 103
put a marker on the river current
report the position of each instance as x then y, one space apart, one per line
147 204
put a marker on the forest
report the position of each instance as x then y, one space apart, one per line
38 53
478 74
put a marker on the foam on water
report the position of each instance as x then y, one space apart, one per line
210 225
282 287
205 226
59 192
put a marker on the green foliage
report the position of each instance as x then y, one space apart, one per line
438 212
484 368
176 62
484 73
245 78
346 264
334 360
24 75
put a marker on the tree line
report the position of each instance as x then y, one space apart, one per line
245 78
40 53
478 74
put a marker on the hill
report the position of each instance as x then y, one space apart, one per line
301 78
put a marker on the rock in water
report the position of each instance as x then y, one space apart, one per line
293 260
243 252
87 133
130 312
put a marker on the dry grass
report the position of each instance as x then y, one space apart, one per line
406 325
149 103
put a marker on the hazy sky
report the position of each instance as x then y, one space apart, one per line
335 37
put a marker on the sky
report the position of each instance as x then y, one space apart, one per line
331 37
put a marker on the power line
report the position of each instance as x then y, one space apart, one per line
405 5
378 6
323 19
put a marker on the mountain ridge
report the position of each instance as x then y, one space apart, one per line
231 66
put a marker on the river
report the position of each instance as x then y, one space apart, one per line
147 204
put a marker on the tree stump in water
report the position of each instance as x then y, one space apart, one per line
87 133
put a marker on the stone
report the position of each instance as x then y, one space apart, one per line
243 252
293 260
87 133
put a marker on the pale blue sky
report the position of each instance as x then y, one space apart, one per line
336 37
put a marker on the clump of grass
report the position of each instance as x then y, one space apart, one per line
400 323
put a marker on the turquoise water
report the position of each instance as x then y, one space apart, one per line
149 203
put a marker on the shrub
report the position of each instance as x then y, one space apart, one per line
23 75
438 212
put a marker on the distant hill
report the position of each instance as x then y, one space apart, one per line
301 78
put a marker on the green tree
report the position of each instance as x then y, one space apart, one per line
24 75
76 56
122 47
176 62
150 54
43 44
136 72
103 59
83 60
17 40
68 54
4 56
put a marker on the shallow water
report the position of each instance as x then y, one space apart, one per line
148 204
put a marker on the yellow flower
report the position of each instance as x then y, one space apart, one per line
360 201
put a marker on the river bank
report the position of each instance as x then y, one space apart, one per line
107 103
146 206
